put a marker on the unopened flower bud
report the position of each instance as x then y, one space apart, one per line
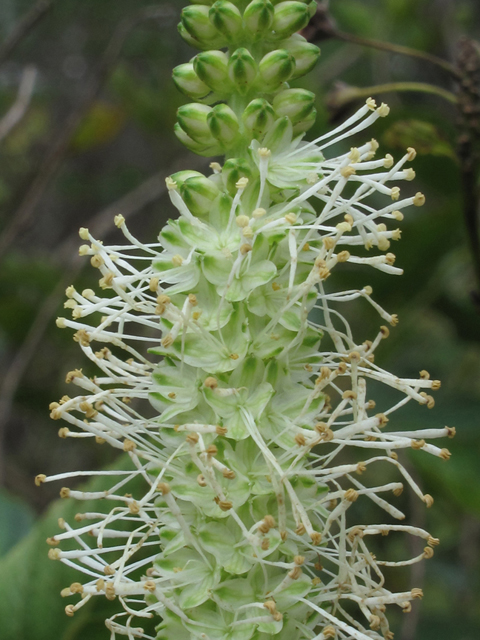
290 17
227 19
305 54
180 176
258 17
297 104
199 193
202 148
187 81
233 170
242 70
223 124
193 120
276 67
195 19
212 69
305 124
258 117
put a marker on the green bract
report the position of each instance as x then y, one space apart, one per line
231 379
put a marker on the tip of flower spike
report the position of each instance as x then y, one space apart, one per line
83 233
258 213
61 323
70 291
371 104
119 220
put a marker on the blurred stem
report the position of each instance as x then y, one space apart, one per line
397 48
348 94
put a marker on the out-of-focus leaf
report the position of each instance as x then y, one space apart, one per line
34 127
16 519
30 604
423 136
102 124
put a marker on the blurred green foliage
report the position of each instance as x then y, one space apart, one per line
124 138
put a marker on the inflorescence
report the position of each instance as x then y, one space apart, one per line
229 376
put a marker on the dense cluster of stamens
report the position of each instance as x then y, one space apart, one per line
238 393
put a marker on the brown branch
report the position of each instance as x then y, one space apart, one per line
24 27
400 49
468 148
59 148
322 27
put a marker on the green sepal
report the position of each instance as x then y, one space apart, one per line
258 116
233 170
289 17
187 81
212 68
258 17
195 19
193 145
306 54
242 70
198 194
227 19
180 176
279 136
223 124
305 124
275 68
297 104
193 120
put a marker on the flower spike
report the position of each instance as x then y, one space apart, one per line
228 375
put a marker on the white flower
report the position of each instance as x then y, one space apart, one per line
239 394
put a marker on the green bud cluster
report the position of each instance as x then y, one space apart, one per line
263 53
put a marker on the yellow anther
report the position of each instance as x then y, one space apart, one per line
242 221
419 199
383 110
388 161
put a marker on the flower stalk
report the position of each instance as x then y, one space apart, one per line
228 375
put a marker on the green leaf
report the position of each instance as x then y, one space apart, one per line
30 604
16 520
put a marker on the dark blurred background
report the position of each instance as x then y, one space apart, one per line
87 109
